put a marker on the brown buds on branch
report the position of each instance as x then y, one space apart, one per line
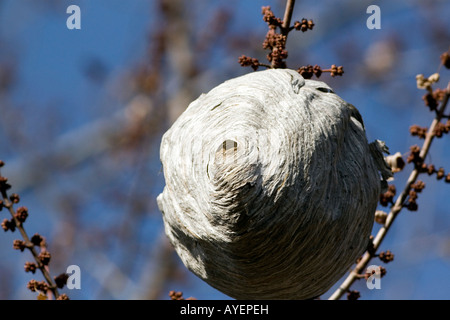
308 71
445 60
178 295
47 288
436 101
249 62
304 25
275 42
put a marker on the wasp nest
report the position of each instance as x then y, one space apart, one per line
271 186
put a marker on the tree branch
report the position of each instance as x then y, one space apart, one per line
53 290
287 17
396 208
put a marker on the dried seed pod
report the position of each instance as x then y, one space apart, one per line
380 216
271 186
395 162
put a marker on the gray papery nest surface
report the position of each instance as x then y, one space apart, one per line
271 186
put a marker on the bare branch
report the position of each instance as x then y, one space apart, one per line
30 246
396 208
287 17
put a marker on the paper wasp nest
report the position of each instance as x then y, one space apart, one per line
271 186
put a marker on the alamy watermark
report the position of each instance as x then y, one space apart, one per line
374 280
74 20
374 20
74 279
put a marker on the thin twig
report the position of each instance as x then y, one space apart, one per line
287 17
285 26
395 209
29 245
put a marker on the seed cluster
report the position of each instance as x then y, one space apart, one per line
34 244
275 42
